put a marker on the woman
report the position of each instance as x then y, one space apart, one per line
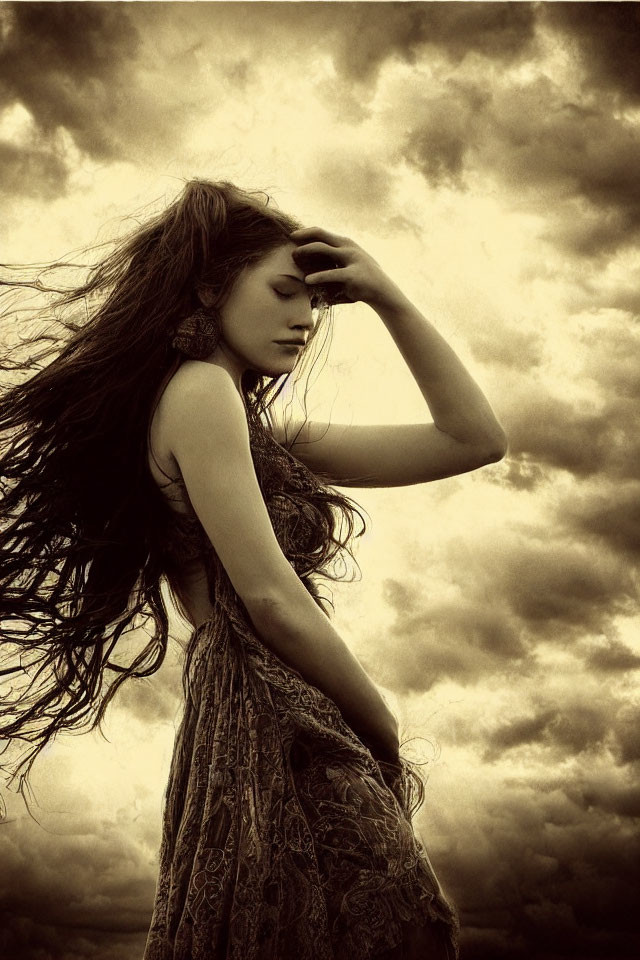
287 822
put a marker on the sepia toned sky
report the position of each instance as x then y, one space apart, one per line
487 155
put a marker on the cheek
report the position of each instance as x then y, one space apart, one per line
239 321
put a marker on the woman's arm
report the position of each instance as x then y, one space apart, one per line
205 423
465 433
292 624
456 403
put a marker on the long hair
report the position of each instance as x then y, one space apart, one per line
79 567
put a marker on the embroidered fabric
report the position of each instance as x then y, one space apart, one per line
282 836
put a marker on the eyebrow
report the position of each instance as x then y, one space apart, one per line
311 291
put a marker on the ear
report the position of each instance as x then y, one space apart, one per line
205 295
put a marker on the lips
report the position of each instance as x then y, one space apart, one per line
289 343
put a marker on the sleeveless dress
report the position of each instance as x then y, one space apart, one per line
282 837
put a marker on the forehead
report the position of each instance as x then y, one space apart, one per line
280 260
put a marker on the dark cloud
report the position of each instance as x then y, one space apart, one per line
584 230
571 155
150 699
559 588
575 162
569 728
25 938
85 891
614 657
72 896
577 714
67 64
610 515
32 172
111 75
558 878
598 439
362 36
532 137
551 431
432 641
94 78
626 295
581 157
552 828
621 800
520 475
566 148
516 733
597 291
518 592
548 431
558 831
379 31
627 735
445 129
606 37
611 357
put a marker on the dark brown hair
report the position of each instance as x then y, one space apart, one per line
79 566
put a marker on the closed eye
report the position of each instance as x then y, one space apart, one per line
315 299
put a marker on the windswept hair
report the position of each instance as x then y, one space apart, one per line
79 564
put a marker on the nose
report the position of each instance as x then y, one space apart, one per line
302 318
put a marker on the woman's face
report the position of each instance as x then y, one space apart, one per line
268 305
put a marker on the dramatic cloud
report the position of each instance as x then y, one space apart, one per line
568 728
83 886
32 172
609 515
460 640
568 892
91 85
446 127
486 154
511 596
606 37
68 66
411 31
595 434
543 145
615 657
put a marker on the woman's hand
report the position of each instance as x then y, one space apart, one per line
330 259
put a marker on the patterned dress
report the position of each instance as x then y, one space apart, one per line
282 837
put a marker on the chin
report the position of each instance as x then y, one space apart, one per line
278 370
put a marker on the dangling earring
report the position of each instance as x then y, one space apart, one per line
197 335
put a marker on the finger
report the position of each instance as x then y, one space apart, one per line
327 276
304 233
317 246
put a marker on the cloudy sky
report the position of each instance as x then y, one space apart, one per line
487 155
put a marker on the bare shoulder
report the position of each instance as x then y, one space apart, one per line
196 395
197 377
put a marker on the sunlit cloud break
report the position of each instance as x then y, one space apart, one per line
487 155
